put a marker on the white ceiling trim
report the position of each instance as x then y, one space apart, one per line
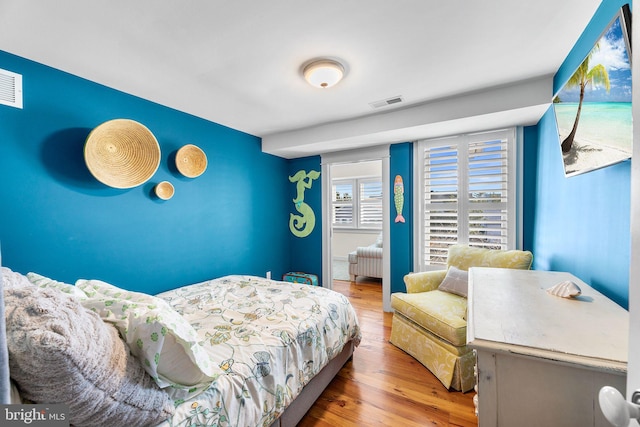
520 104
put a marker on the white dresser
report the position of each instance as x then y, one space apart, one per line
542 359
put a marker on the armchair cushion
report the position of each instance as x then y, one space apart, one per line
441 313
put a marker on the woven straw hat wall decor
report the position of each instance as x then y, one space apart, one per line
191 161
164 190
122 153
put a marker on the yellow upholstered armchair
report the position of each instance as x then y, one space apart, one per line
429 320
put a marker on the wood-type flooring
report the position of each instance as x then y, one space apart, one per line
382 385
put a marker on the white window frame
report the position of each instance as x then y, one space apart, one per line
513 138
356 203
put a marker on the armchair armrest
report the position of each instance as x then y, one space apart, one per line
369 252
424 281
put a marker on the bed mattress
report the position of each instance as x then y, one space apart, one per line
268 339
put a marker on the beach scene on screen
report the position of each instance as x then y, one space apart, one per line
593 109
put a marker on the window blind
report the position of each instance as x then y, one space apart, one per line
342 204
467 185
371 204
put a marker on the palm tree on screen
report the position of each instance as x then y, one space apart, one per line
582 78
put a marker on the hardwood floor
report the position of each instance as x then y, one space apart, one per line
382 385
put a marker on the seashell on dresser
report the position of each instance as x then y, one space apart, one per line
565 289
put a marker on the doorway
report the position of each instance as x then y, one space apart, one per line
355 167
356 215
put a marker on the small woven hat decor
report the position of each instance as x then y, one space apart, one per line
191 161
164 190
122 153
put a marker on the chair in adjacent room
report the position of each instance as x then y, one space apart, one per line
366 261
429 321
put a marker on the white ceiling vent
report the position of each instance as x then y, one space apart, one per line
385 102
10 89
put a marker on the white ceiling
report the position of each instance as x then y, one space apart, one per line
238 63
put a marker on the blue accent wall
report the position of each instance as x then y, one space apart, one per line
306 252
59 221
582 223
401 163
529 185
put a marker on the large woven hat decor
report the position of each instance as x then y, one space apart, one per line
122 153
191 161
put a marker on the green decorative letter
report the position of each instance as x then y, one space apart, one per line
302 225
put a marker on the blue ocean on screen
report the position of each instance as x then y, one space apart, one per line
603 123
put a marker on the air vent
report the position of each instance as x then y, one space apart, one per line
10 89
386 102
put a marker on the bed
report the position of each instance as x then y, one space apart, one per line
232 351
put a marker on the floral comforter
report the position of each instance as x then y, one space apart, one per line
269 340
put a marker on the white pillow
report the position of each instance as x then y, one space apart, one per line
46 283
166 344
456 282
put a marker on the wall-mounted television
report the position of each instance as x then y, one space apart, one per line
593 108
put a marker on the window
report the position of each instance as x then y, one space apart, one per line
343 203
357 203
467 186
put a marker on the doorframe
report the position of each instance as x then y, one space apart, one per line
633 367
380 152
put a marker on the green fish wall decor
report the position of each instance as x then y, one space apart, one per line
398 197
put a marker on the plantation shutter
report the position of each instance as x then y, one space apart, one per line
371 204
468 189
441 184
342 204
488 187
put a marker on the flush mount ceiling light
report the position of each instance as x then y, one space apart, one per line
323 73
